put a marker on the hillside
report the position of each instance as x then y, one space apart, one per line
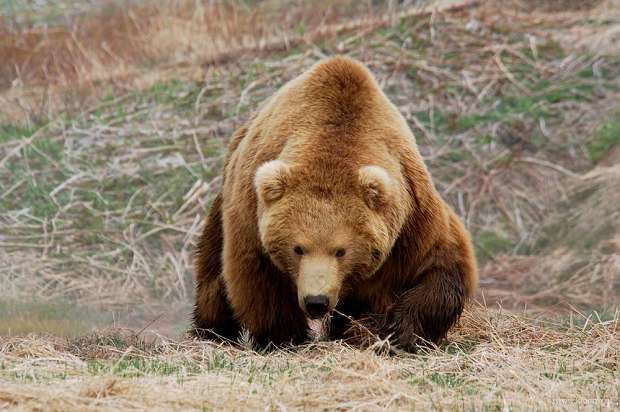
113 126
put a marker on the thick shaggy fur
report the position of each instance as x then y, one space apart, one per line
328 157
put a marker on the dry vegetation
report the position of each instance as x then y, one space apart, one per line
113 124
498 361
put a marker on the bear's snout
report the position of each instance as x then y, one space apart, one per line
316 306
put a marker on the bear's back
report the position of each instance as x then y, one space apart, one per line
329 121
334 110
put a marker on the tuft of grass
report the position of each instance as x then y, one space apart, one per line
489 244
604 138
10 132
138 366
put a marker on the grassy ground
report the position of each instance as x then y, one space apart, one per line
499 361
110 153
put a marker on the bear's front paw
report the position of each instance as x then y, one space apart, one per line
413 327
407 331
281 336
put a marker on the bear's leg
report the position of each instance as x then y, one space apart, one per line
264 299
213 317
425 313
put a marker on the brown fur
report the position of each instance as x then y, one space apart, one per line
409 266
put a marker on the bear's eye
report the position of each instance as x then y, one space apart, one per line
340 252
298 250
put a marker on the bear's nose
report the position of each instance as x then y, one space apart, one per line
316 305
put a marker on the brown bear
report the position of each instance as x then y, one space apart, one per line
326 203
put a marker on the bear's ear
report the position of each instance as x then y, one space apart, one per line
270 180
377 186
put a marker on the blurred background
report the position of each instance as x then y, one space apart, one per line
115 115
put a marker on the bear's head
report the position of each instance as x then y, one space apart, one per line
326 235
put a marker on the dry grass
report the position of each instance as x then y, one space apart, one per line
495 361
131 46
120 40
111 141
579 244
